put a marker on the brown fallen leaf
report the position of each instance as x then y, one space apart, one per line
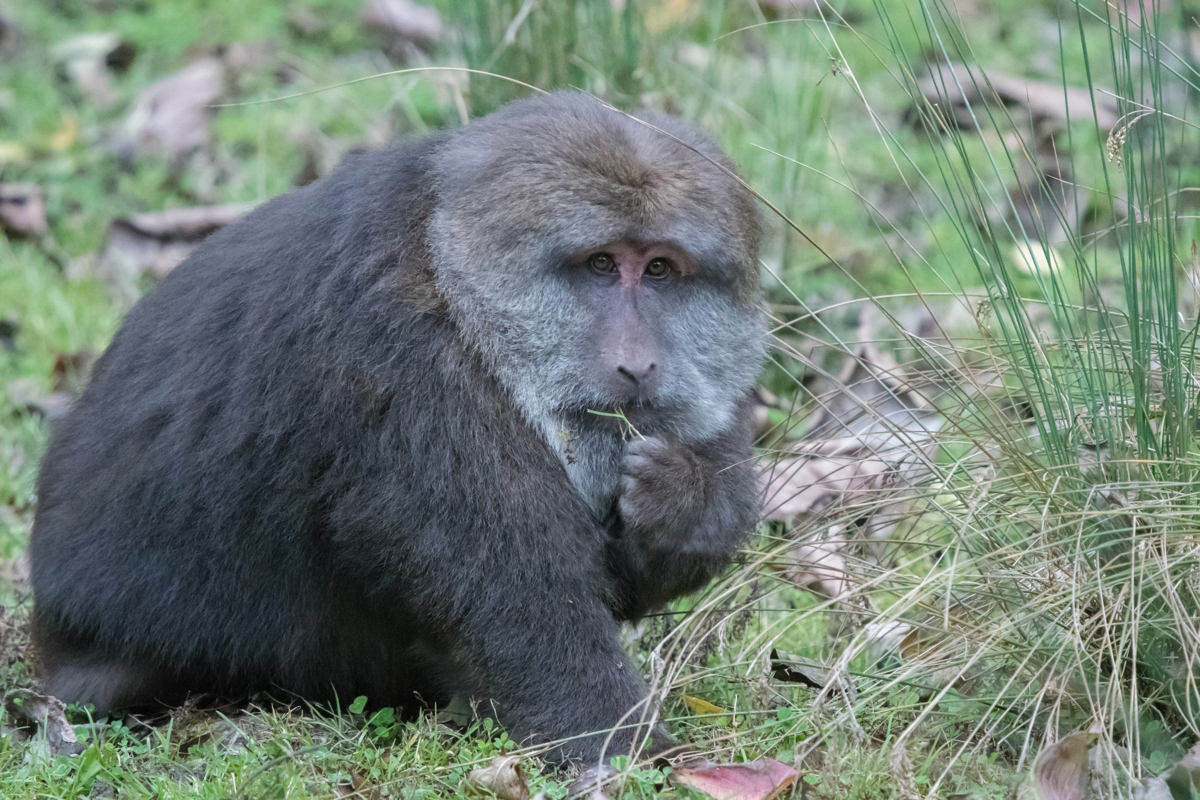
171 116
594 783
503 778
957 86
756 780
71 370
156 242
86 58
865 451
870 432
794 669
790 8
26 707
22 210
404 20
303 20
27 394
356 786
1061 770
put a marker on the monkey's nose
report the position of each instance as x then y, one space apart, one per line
639 375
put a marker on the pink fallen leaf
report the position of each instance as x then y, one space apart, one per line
756 780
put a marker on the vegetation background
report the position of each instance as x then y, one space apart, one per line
978 574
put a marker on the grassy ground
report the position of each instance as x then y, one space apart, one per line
889 218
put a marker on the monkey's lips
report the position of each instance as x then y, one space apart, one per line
644 417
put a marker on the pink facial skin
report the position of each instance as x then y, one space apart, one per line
629 281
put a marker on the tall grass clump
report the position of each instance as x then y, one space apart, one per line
1006 545
1026 561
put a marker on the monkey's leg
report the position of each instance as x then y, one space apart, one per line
106 685
552 666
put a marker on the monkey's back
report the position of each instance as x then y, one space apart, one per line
212 502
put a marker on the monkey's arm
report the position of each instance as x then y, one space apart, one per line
682 513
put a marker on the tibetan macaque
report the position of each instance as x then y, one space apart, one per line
435 424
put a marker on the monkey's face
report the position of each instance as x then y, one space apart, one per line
600 264
627 288
656 341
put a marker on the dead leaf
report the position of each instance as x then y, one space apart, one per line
303 20
954 88
594 783
158 241
866 450
790 8
246 57
22 210
356 786
796 486
699 705
405 20
87 58
48 714
71 370
756 780
503 778
27 395
1061 770
794 669
171 116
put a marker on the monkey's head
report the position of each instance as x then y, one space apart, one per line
601 262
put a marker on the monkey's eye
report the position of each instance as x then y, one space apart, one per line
602 263
658 268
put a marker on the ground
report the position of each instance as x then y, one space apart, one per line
975 261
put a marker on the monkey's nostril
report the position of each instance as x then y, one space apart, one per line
637 374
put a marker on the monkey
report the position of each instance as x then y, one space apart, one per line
437 423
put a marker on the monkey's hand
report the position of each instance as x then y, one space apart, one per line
681 514
663 492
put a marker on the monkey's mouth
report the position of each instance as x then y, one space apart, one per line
644 417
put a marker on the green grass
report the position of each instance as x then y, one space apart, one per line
1045 568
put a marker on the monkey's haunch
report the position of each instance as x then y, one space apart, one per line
346 449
